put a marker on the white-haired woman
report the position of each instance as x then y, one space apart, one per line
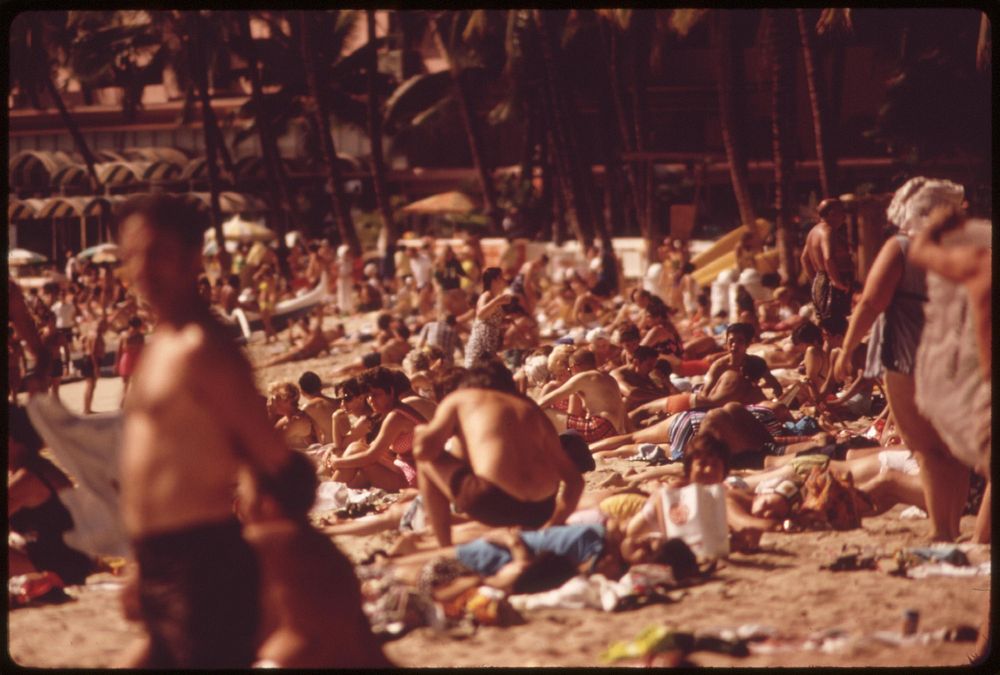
896 290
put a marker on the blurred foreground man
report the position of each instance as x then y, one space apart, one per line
192 418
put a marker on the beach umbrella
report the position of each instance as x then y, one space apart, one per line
446 202
101 253
237 229
18 257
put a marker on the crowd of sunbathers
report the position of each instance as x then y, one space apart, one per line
783 399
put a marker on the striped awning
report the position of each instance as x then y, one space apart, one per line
196 170
74 207
161 171
121 173
232 202
35 169
24 209
73 176
110 156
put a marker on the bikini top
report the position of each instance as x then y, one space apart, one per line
403 445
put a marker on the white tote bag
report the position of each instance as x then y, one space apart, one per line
696 514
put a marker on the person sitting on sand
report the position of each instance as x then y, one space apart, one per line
317 406
353 400
732 378
634 381
605 411
506 461
295 426
386 463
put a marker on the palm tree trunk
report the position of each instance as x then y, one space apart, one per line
609 43
276 178
639 48
731 138
74 131
200 63
375 135
321 116
561 144
782 127
476 146
817 103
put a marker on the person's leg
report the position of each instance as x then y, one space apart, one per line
434 480
945 480
88 395
891 488
384 478
125 382
54 383
981 535
735 426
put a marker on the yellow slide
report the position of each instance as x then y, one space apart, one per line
722 254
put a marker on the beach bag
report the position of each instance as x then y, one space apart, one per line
697 515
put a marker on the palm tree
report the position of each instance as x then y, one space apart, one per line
447 48
375 136
781 60
34 38
721 36
273 165
818 105
320 113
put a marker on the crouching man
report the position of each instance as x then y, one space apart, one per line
506 462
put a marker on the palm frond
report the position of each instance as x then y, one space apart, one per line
683 21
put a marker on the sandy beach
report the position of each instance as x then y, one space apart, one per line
781 588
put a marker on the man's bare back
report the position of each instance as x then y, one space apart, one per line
507 440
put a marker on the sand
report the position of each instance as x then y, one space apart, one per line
782 587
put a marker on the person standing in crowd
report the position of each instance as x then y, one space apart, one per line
826 258
129 349
487 329
443 335
90 363
896 289
193 419
345 280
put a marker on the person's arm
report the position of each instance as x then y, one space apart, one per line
391 428
487 309
771 381
739 517
713 373
813 364
880 285
429 438
422 340
806 262
565 389
572 486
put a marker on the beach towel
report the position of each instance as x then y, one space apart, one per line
88 448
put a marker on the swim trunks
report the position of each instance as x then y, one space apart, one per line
828 300
591 428
485 502
693 367
86 368
678 403
199 596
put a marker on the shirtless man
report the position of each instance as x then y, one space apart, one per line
733 377
192 418
827 259
90 364
634 381
393 346
505 467
601 396
317 406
